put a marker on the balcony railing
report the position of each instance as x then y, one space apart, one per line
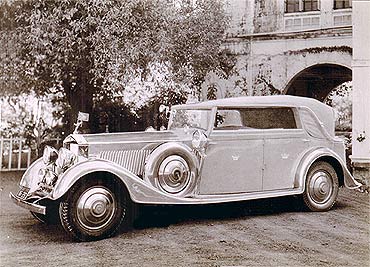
317 20
302 21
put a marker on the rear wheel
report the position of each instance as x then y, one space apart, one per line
321 189
94 209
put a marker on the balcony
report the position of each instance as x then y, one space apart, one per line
342 17
302 21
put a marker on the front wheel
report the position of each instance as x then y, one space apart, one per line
94 209
321 189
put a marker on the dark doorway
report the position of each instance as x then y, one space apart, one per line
318 81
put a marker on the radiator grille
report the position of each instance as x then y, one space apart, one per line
133 160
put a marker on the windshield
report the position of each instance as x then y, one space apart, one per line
190 118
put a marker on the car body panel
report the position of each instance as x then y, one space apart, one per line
225 169
282 148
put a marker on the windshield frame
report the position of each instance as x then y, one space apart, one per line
211 118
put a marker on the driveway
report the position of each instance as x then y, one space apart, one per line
272 232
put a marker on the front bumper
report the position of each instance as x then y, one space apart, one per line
27 205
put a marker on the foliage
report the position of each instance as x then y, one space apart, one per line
341 100
93 51
11 64
212 92
31 117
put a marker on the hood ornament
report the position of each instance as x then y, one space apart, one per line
82 117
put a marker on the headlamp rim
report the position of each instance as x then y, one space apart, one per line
63 155
50 155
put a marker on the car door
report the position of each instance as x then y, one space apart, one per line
283 148
284 143
234 157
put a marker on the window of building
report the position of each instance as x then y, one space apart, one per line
301 5
291 6
310 5
339 4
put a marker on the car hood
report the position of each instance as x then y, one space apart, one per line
128 137
107 145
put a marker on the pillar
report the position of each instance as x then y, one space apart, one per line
361 90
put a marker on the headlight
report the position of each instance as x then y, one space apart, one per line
47 178
65 159
50 155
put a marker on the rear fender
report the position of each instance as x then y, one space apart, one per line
325 153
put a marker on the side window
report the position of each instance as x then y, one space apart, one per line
269 118
255 118
228 119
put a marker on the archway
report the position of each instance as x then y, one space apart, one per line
318 81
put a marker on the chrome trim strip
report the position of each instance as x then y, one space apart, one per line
26 205
133 142
214 199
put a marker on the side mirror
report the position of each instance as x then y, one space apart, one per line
199 140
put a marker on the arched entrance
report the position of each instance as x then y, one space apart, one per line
318 81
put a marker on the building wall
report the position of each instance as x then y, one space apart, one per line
272 47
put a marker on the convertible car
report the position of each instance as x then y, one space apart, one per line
217 151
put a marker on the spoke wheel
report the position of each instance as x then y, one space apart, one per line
321 189
94 210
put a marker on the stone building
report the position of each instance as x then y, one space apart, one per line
304 48
300 47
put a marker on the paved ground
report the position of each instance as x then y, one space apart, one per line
255 233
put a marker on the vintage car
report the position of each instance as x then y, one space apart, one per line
217 151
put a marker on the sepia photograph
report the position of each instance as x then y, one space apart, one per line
215 133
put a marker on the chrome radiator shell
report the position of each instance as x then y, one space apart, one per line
132 160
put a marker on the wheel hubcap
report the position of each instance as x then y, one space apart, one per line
320 187
174 174
96 208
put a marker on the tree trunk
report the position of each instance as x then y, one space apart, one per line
80 98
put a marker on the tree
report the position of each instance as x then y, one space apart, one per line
11 63
28 116
92 51
340 98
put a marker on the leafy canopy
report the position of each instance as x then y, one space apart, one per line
91 51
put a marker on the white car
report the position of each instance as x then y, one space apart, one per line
212 152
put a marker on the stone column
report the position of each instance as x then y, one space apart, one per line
361 90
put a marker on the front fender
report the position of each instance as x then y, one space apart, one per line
315 154
31 178
140 192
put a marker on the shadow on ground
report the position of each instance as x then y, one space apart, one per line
162 216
